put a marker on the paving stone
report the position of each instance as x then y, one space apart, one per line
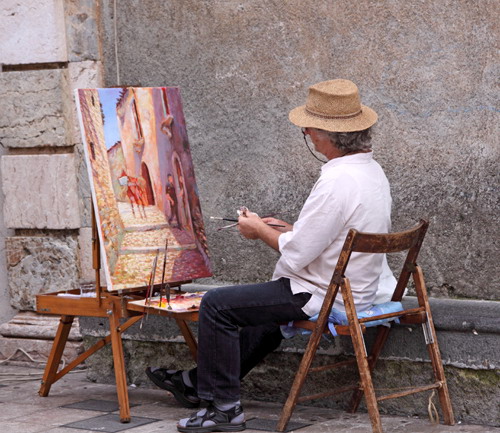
270 425
42 38
162 412
40 191
18 426
109 423
37 109
96 405
40 264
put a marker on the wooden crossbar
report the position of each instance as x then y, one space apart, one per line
411 391
90 351
389 315
327 393
332 366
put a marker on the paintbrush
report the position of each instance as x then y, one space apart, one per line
163 279
150 285
235 224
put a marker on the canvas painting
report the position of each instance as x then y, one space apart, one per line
143 185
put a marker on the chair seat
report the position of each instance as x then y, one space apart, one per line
338 324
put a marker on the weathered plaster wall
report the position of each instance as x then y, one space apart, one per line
430 69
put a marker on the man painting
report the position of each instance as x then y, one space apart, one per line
238 326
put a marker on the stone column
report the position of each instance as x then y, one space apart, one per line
46 194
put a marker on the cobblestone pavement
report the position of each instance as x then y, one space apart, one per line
143 238
23 411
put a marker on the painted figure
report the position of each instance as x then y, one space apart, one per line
172 199
136 192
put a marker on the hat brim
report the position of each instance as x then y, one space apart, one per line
300 117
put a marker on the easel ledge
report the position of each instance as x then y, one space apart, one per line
113 306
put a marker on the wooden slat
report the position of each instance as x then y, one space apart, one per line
387 243
60 305
389 315
309 325
413 319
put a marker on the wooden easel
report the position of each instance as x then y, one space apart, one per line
104 304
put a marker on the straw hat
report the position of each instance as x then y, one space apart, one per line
334 106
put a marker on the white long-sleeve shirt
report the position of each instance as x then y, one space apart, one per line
352 192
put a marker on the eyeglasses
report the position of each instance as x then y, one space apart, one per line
304 134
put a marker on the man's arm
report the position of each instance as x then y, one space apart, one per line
252 226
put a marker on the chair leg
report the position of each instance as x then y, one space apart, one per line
298 382
443 393
378 345
433 348
361 358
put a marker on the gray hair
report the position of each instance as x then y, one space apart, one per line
351 141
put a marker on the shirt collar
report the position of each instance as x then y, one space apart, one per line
357 158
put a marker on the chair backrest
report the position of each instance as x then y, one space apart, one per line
410 240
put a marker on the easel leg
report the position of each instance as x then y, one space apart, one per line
119 365
188 335
55 354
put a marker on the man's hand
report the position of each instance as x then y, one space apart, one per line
249 225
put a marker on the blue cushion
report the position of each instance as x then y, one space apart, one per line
338 317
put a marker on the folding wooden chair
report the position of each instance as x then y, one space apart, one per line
410 240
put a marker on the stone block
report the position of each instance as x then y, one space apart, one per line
36 109
81 30
43 35
28 324
82 75
40 191
33 352
87 272
38 265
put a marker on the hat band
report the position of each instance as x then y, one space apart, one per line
324 116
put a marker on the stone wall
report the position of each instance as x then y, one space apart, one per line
429 70
45 191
